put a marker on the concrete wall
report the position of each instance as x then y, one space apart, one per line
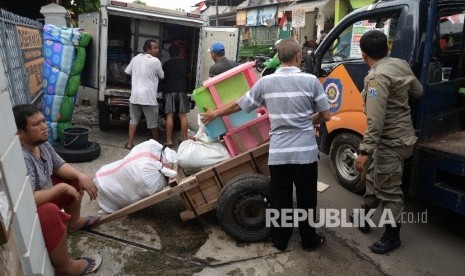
310 28
25 252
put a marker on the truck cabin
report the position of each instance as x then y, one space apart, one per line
429 36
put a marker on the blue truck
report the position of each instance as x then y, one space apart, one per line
429 35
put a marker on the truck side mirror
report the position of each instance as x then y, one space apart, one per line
310 64
379 25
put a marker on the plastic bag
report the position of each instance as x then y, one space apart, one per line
138 175
201 135
197 155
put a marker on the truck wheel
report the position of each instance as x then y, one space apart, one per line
343 154
78 155
104 117
241 208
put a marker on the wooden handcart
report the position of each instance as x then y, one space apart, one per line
238 188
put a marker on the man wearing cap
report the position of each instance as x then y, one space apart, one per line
222 64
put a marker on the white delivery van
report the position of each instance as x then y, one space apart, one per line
119 31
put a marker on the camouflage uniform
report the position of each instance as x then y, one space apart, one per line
390 136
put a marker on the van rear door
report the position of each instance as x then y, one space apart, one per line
90 22
209 35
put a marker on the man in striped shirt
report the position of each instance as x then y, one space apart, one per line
295 102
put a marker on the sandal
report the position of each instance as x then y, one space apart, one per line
93 263
126 146
319 240
90 222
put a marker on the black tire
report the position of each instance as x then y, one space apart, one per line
78 155
259 66
343 154
104 117
241 208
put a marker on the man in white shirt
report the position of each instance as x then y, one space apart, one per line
146 70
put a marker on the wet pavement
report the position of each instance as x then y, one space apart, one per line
155 241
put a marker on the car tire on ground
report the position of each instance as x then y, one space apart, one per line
343 154
78 155
241 207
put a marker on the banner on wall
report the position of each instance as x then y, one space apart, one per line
30 41
241 18
267 16
298 18
252 18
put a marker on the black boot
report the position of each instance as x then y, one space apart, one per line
388 242
365 229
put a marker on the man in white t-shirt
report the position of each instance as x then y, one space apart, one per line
145 70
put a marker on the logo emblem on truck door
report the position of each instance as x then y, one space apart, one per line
372 92
333 88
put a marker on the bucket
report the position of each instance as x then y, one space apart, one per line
76 138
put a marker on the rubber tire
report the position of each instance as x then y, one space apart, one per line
104 117
248 190
346 144
259 66
78 155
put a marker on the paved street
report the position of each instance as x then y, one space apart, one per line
155 240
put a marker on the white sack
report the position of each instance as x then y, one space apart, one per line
136 176
196 155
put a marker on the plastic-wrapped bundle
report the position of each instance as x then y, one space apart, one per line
197 155
64 61
139 174
57 108
64 35
73 85
85 40
79 61
59 55
54 81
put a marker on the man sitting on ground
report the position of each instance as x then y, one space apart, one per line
65 191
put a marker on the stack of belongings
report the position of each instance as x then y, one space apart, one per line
143 172
241 131
65 55
200 152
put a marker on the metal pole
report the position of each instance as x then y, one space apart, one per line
216 4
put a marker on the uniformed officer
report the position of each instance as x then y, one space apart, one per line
390 136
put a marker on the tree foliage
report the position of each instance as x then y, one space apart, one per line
138 2
81 6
